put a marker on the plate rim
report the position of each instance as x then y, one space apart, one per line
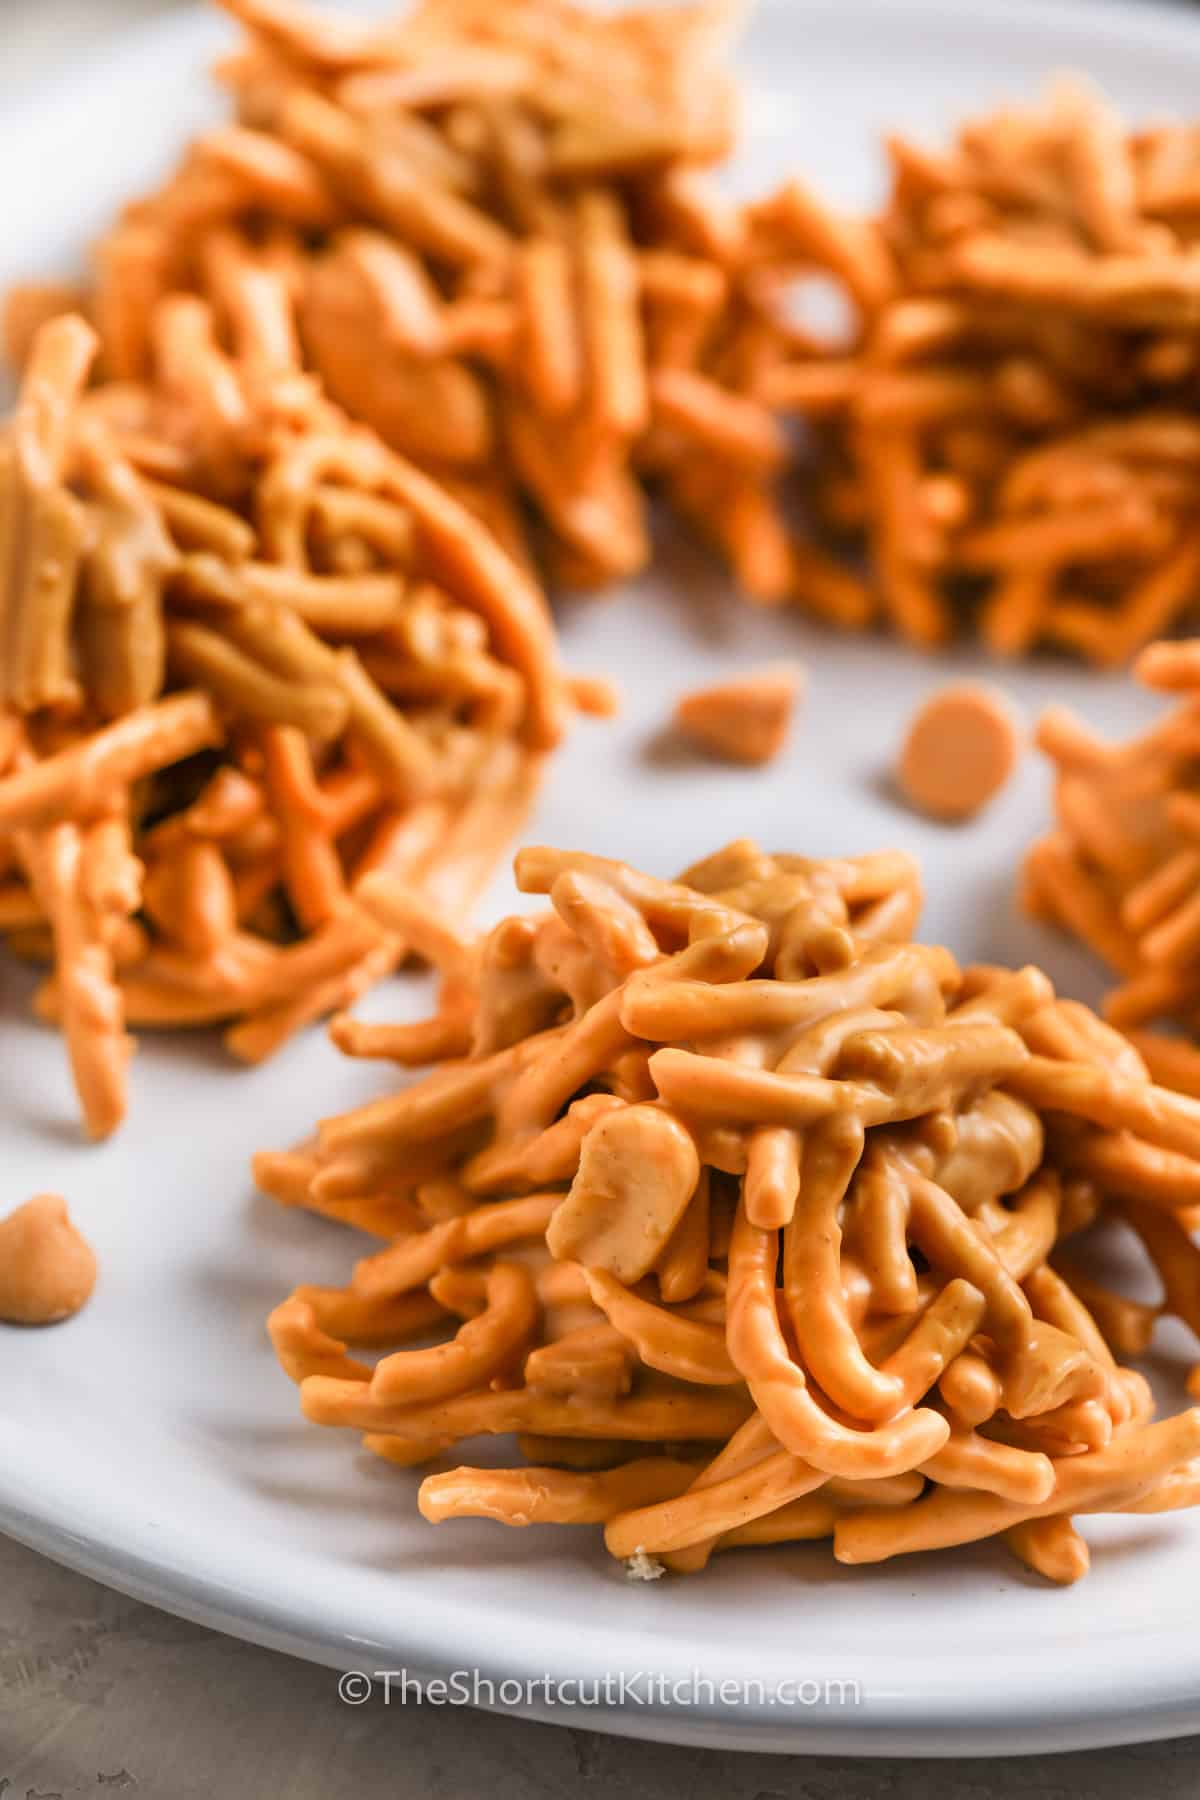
74 1527
977 1721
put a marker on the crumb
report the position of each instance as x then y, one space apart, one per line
640 1567
745 719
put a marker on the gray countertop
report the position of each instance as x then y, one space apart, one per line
99 1693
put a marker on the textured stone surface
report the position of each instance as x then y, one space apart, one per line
100 1695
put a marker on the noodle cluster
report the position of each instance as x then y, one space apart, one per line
754 1220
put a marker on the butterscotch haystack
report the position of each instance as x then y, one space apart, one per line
753 1220
497 249
1121 869
1016 434
249 655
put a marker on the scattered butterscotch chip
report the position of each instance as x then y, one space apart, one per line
47 1268
962 746
746 719
594 695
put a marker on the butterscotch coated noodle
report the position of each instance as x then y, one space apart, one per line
745 1214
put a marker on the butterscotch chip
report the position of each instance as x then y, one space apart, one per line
744 720
962 746
47 1269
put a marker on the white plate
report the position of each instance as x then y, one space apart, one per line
154 1444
